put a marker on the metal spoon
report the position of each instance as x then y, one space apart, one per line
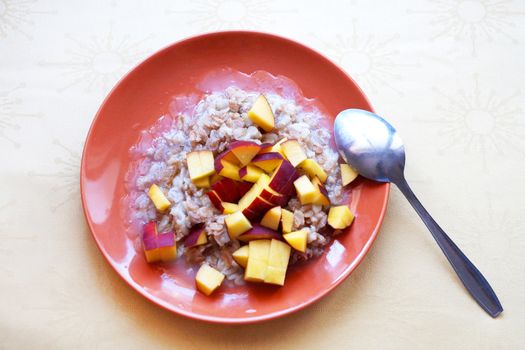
372 146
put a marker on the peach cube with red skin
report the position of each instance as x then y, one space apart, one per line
208 279
244 151
321 197
149 242
268 161
283 177
227 169
259 232
167 246
274 148
158 246
250 173
196 237
272 218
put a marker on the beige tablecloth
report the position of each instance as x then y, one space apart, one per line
448 74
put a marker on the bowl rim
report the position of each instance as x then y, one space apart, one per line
208 318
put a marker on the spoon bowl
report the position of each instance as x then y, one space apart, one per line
372 146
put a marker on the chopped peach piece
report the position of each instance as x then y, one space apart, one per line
261 114
348 174
259 232
278 258
202 182
208 279
167 246
244 151
254 192
297 239
200 164
250 173
267 161
241 255
272 218
293 152
306 191
197 236
236 224
286 220
257 260
312 168
158 198
158 246
229 208
228 170
321 197
275 148
340 217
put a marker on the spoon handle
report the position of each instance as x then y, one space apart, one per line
473 280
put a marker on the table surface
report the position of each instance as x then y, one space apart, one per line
448 74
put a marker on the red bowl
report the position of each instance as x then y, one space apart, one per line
135 104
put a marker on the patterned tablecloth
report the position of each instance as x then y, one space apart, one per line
449 74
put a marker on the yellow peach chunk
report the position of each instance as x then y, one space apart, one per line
152 255
348 174
158 198
200 164
208 279
237 224
203 182
261 114
321 197
167 253
254 191
297 239
250 173
241 255
229 208
278 258
312 168
286 220
258 251
203 238
276 148
215 178
272 218
306 191
340 217
229 170
207 162
293 152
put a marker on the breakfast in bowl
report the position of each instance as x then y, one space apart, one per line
241 186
